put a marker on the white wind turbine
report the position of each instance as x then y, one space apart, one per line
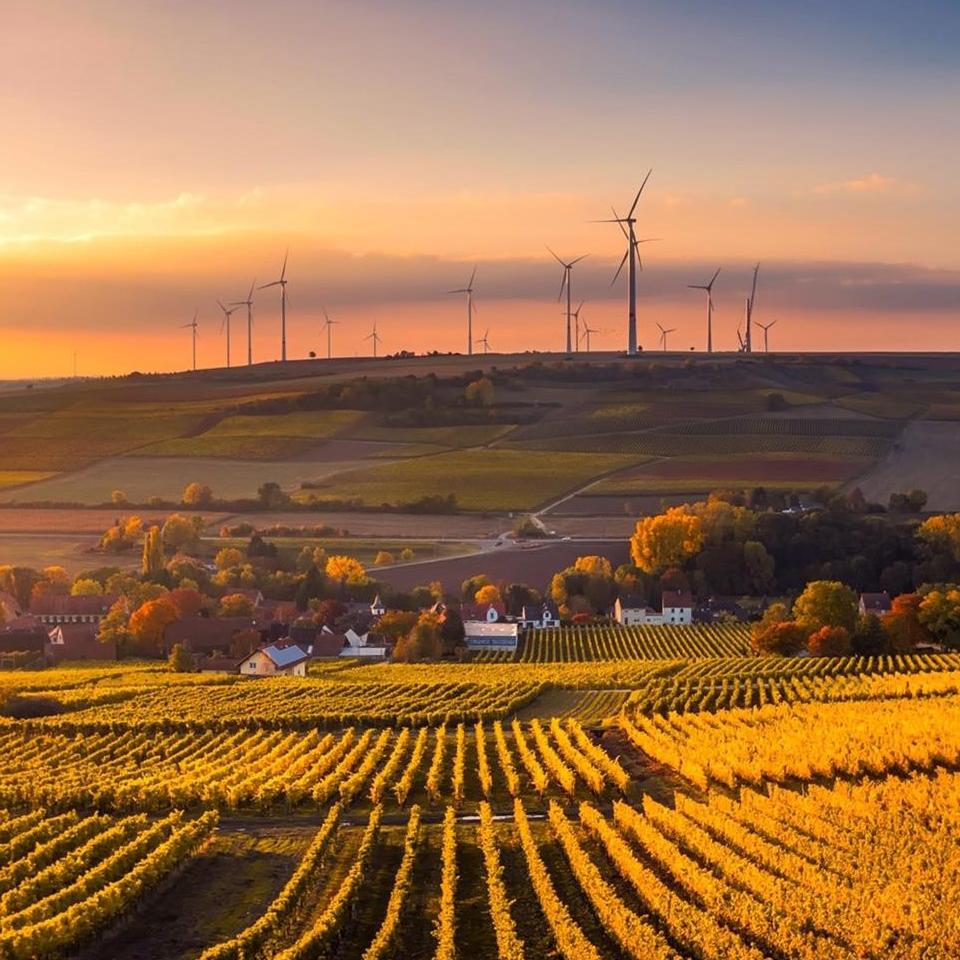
248 303
587 331
282 284
765 327
485 341
468 290
565 284
225 325
193 325
663 336
577 336
628 226
708 287
328 325
375 337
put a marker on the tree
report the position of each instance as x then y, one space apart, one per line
188 601
383 558
312 587
452 633
180 660
758 566
665 540
406 554
118 497
422 642
113 628
830 642
902 626
942 533
181 533
271 495
345 569
594 566
939 612
152 563
470 586
869 639
227 558
480 392
197 495
396 624
86 588
148 623
235 605
487 594
327 612
776 634
826 603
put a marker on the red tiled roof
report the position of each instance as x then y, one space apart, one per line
53 605
206 633
677 598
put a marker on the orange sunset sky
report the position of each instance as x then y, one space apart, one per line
156 157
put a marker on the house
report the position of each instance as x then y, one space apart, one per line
677 606
481 635
874 603
542 615
52 609
23 635
208 635
327 644
719 610
77 641
377 609
490 613
275 661
367 650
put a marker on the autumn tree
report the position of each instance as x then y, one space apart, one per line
181 533
345 569
826 603
197 495
406 554
488 594
189 602
327 612
86 588
148 623
383 558
759 567
470 586
594 566
227 558
901 624
942 533
830 642
422 642
396 624
118 497
940 614
152 563
666 540
180 660
235 605
113 628
776 634
480 392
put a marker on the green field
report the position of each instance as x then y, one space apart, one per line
229 447
493 479
14 478
458 436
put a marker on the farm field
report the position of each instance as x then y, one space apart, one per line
494 479
69 551
16 478
539 832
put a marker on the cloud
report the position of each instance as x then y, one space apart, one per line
872 183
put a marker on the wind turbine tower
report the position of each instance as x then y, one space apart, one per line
748 338
765 327
282 284
193 325
248 303
225 325
328 325
628 225
708 287
468 290
375 337
565 284
663 336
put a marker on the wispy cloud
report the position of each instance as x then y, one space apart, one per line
872 183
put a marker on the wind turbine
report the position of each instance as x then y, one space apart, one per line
709 289
765 327
468 290
485 341
375 337
328 325
282 284
565 283
628 225
193 324
587 330
227 312
747 342
663 336
577 336
248 303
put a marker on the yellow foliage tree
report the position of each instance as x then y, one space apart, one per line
383 558
942 532
86 587
487 594
345 569
236 605
228 558
666 540
594 565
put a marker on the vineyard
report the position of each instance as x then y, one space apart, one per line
581 807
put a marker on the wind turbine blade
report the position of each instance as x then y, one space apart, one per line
717 274
753 290
636 199
263 286
563 284
662 330
283 269
622 262
619 223
584 257
473 276
555 257
252 286
221 306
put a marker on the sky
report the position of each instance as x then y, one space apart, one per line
156 157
